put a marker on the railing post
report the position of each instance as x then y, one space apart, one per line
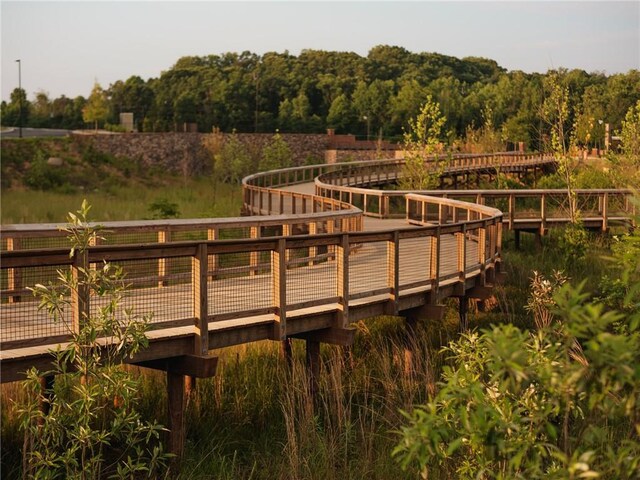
279 278
434 267
287 231
543 215
605 212
164 236
482 251
342 291
213 234
313 251
393 273
14 275
254 256
199 280
461 248
512 211
80 309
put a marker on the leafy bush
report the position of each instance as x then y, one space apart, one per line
42 176
573 242
560 402
163 208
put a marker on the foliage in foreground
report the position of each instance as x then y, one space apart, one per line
560 402
92 428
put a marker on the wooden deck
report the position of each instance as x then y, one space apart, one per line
329 264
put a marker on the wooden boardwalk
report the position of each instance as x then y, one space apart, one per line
320 252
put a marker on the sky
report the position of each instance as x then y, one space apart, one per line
64 47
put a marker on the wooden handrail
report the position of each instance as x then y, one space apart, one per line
322 259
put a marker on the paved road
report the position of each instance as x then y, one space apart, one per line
34 132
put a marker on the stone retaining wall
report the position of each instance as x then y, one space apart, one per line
192 153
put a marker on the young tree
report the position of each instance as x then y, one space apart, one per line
276 154
630 134
233 162
92 429
555 112
421 141
96 109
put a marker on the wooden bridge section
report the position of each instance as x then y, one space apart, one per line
304 265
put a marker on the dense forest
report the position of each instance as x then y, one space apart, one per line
367 96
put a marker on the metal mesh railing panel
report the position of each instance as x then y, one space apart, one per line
241 282
367 267
448 261
311 277
21 319
160 289
415 258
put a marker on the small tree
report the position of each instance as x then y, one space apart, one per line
555 112
96 109
276 154
421 141
92 429
233 162
630 134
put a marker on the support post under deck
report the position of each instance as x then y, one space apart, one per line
313 366
463 308
175 397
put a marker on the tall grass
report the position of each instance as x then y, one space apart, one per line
195 198
257 419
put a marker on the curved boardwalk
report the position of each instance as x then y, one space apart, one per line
323 249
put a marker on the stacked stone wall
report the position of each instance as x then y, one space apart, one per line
192 153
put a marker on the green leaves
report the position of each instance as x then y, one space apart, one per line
92 429
560 402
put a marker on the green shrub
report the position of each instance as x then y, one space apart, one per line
163 208
560 402
42 176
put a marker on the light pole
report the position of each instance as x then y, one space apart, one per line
20 97
366 118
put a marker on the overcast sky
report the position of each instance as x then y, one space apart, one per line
65 46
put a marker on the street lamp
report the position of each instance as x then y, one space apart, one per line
20 96
366 119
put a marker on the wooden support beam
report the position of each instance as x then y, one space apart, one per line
334 336
176 405
164 236
342 281
279 275
14 275
393 274
46 393
80 295
463 308
287 351
313 366
254 256
199 269
434 267
479 292
191 365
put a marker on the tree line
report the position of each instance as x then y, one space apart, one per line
369 96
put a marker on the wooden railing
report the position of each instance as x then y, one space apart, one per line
310 266
536 209
212 281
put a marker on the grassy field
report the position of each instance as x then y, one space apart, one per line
193 198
